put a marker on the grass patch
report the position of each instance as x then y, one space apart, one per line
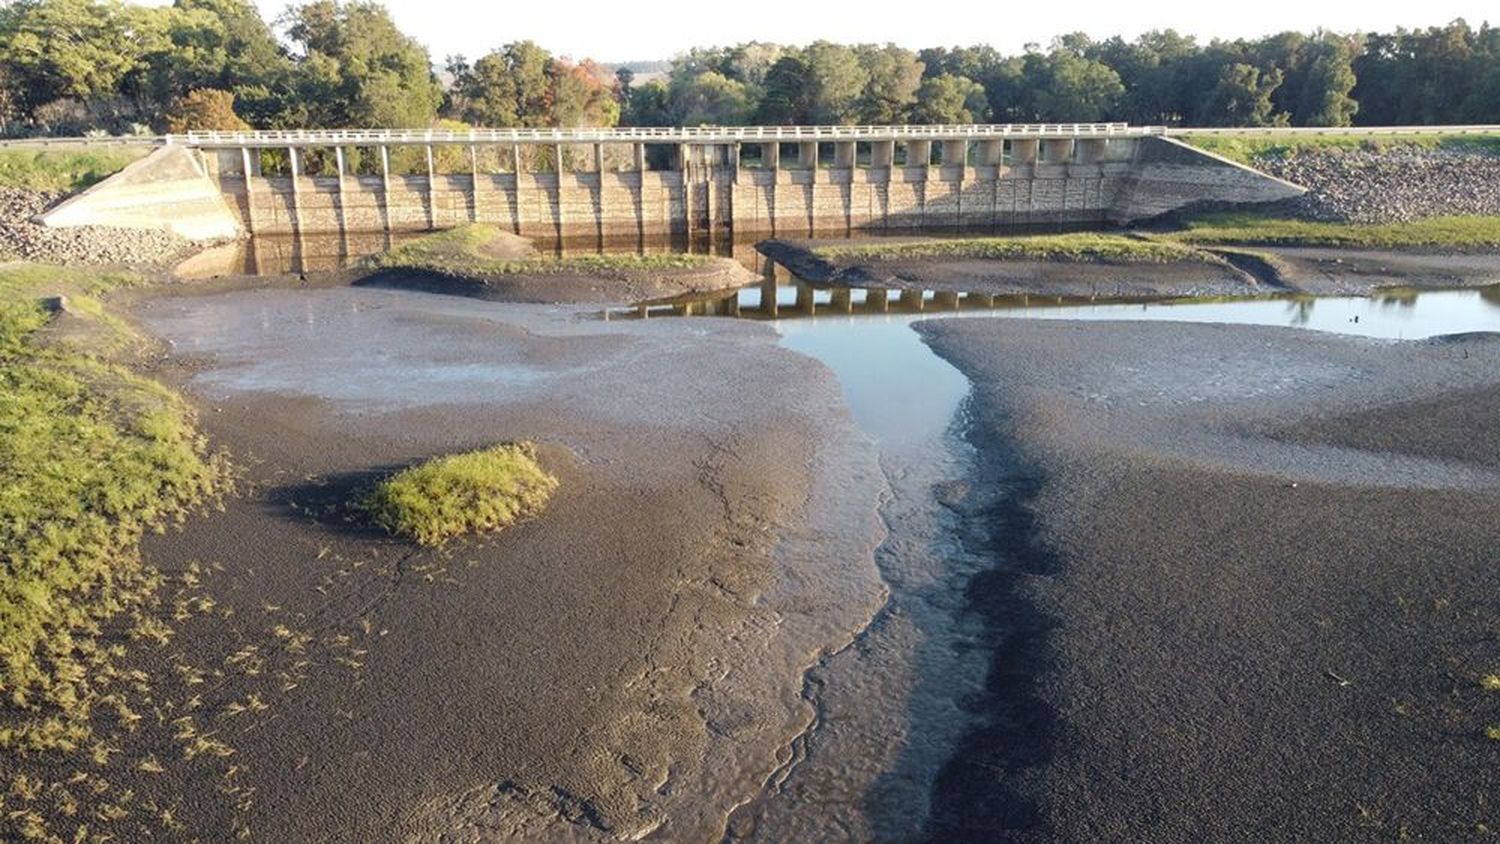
1080 246
483 490
1246 149
1240 227
70 169
91 457
478 250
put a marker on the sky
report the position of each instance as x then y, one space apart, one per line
616 31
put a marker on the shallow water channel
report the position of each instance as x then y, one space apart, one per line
891 708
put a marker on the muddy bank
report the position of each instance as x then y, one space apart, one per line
630 661
1209 276
1245 584
595 287
1228 271
1333 271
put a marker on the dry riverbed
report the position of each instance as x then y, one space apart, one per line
1245 586
629 661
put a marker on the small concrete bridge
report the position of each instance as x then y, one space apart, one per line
634 184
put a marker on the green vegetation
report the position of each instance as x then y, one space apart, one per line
462 493
74 66
91 457
62 170
477 250
1082 246
1447 232
1246 149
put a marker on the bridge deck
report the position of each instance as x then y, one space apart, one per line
660 135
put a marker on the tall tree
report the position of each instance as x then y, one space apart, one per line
893 75
950 99
1242 97
788 97
837 81
358 69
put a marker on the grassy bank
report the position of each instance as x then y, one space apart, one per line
91 457
1247 148
1081 246
484 251
1437 232
449 496
61 170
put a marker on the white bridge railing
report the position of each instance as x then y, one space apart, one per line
662 135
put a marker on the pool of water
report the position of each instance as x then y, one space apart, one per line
900 392
903 686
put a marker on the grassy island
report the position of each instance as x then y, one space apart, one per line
477 491
1079 246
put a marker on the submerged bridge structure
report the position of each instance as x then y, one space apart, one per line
622 184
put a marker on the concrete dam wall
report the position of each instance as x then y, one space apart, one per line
877 179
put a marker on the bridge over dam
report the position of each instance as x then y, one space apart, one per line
622 184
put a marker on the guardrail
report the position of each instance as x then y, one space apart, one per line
695 134
720 134
1478 129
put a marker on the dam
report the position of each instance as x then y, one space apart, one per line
638 184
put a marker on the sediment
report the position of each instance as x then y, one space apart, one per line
1245 584
629 662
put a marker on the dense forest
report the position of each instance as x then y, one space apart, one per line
70 67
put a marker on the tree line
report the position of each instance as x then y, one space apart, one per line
71 67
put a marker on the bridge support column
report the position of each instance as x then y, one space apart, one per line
876 299
919 154
991 153
839 300
806 303
1023 151
640 158
1090 150
515 161
768 304
338 160
955 153
291 153
249 191
882 153
599 160
807 155
385 186
770 155
473 184
844 153
945 300
1057 150
431 190
911 300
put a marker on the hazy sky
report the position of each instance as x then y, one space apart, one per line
620 30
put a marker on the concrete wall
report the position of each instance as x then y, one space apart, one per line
169 189
1051 183
1169 176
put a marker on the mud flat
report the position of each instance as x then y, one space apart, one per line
629 662
1194 274
1246 584
1221 270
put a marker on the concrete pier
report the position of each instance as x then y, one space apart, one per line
562 183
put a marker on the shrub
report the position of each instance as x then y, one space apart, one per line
483 490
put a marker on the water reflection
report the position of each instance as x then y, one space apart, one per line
1394 312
